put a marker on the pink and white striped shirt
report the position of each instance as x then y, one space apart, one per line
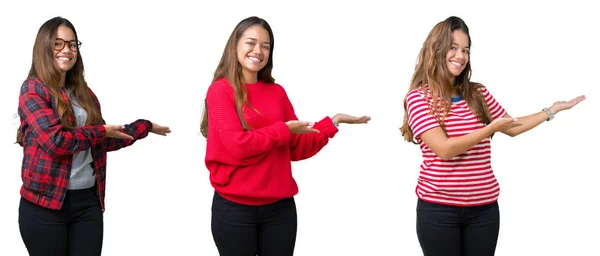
466 179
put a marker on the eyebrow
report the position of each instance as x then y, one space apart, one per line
65 39
457 45
254 39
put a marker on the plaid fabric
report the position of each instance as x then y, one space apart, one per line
48 148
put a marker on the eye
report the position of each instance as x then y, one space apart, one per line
266 47
250 43
467 51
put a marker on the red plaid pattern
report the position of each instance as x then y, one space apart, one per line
48 148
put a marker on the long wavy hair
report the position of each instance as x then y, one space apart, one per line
230 68
431 70
43 68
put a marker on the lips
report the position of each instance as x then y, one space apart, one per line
456 64
255 60
64 58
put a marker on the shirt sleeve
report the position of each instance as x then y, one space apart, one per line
420 118
495 108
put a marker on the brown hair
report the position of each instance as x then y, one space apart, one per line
42 67
230 68
431 70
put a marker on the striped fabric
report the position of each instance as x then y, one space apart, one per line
466 179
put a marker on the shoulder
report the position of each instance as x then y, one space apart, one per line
220 85
417 94
480 87
35 85
276 87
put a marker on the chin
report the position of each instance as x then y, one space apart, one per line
64 68
456 73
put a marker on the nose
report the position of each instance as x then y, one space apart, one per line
256 49
66 49
459 55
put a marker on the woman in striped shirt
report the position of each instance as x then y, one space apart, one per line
452 120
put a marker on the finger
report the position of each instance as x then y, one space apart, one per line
303 123
577 100
111 127
310 130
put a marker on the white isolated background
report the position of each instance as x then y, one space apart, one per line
155 60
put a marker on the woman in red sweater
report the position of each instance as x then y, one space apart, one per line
252 136
65 141
453 119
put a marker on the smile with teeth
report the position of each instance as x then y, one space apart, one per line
64 58
254 59
456 64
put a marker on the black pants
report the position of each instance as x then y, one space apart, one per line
74 230
242 230
457 231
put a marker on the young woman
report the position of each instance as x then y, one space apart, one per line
65 140
453 119
252 136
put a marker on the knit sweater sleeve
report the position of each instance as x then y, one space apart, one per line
304 146
228 142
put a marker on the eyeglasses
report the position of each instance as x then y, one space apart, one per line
59 44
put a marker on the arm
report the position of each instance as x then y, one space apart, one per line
447 148
304 146
424 125
531 121
35 108
228 142
138 130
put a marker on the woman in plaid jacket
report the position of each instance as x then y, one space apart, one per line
65 141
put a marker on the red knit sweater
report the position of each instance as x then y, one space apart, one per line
254 167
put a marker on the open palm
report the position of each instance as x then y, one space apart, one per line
564 105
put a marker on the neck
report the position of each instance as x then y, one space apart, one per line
250 77
63 76
453 92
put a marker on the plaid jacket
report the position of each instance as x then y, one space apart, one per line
48 148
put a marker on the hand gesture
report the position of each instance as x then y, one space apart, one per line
564 105
300 127
160 130
114 131
501 124
348 119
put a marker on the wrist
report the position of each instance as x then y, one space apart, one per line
489 130
550 112
336 120
554 110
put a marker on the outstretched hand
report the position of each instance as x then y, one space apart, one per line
300 127
160 130
564 105
341 118
503 123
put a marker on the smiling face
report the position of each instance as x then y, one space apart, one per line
457 57
253 51
65 49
